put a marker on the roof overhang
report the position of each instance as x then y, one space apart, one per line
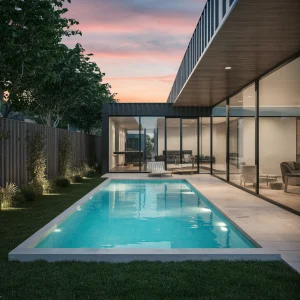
255 37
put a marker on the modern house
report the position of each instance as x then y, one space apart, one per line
234 108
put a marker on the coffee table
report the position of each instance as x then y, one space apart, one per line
286 180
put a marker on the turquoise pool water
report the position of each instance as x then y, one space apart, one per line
146 214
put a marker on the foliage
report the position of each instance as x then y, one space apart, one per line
61 182
29 31
28 192
36 161
90 173
7 195
87 115
77 179
44 77
87 171
149 145
65 157
18 199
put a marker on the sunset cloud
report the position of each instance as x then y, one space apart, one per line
137 43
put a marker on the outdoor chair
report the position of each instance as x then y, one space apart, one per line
158 168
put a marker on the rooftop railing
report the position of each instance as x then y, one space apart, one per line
212 17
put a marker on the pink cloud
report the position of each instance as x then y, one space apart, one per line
127 54
168 78
170 24
137 89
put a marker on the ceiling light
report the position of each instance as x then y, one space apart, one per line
240 101
227 68
250 96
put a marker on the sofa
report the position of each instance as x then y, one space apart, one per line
290 167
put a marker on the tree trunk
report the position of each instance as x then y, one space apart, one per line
49 119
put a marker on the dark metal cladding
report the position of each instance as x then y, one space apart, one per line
154 109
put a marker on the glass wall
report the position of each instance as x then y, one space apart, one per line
242 167
204 145
219 129
269 152
124 144
173 144
152 140
189 145
278 138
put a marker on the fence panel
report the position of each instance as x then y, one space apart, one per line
85 148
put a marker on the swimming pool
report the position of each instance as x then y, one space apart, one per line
146 214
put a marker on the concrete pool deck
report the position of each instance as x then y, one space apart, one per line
269 225
277 231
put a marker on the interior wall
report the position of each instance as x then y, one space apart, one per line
189 139
173 139
205 141
161 141
219 143
277 143
112 144
117 138
282 87
247 141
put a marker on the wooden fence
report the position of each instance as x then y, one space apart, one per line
85 148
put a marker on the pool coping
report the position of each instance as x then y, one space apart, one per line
24 252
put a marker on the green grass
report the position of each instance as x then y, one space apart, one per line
137 280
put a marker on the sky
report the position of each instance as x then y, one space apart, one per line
138 44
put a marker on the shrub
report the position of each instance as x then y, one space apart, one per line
18 199
65 157
87 171
90 173
28 192
36 161
7 195
62 182
77 178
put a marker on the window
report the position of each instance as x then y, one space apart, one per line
242 167
278 133
219 127
124 144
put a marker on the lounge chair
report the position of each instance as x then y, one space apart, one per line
158 168
248 175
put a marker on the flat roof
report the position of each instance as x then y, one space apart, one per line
255 37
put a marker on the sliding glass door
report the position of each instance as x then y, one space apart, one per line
182 145
189 152
172 151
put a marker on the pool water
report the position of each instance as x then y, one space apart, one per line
157 214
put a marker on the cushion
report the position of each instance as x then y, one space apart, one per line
290 165
297 165
187 157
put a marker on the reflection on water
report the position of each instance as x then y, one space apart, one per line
146 214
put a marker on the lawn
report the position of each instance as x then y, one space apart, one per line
138 280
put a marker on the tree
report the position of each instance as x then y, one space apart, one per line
28 32
87 115
71 90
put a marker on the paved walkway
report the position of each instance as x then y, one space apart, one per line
269 225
